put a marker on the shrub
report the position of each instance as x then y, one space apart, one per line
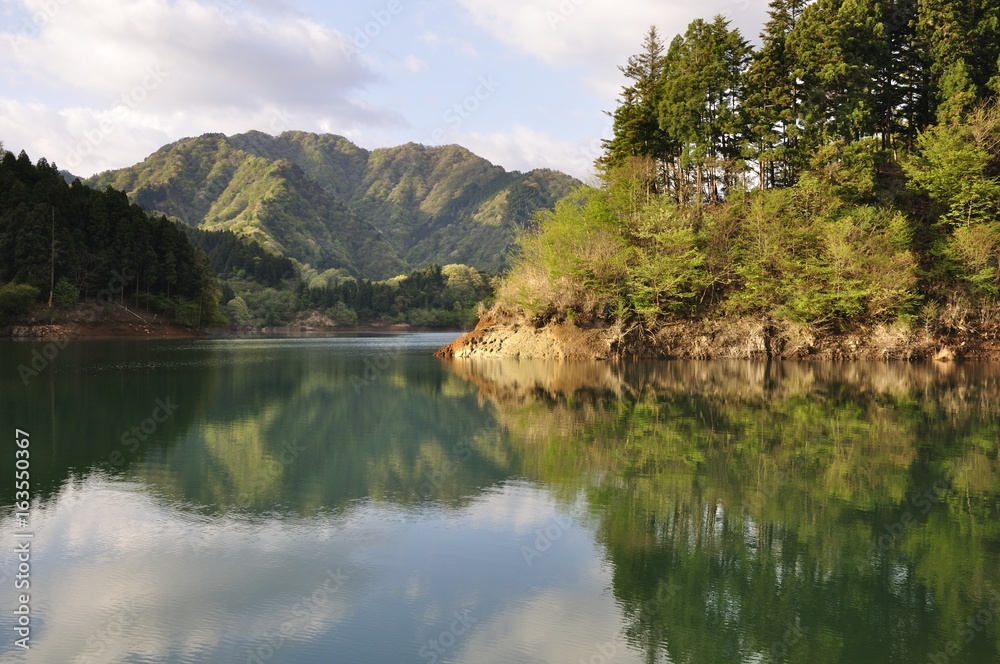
65 294
16 300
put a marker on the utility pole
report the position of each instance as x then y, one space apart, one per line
52 261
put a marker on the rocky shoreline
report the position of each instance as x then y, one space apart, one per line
505 336
105 330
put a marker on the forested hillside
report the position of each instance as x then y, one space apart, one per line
71 254
61 243
844 175
327 203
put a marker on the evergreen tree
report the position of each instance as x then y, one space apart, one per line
838 50
702 93
96 235
773 98
902 82
637 131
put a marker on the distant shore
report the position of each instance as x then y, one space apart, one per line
123 330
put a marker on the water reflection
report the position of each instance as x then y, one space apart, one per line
124 576
493 511
776 512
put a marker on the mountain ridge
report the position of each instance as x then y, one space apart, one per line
322 200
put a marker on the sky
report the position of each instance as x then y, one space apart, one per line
100 84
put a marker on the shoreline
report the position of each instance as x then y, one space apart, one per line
108 330
500 335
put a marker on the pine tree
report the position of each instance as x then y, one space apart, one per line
773 97
960 30
902 82
956 93
637 131
838 48
702 91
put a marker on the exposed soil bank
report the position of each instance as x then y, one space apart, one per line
499 335
94 322
102 330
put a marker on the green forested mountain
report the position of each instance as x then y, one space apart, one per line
324 201
60 243
845 175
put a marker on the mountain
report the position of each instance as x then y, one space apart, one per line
325 201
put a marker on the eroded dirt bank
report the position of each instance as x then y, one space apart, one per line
498 335
87 321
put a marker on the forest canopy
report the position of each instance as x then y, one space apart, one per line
72 241
845 172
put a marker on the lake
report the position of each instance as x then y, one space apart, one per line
353 499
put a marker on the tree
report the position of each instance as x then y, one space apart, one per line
966 30
956 166
96 234
637 130
342 315
701 103
238 312
16 300
956 93
838 50
902 91
773 98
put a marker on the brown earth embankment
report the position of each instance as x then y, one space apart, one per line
504 336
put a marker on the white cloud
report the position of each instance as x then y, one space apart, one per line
202 55
598 35
461 46
523 148
111 598
414 64
142 73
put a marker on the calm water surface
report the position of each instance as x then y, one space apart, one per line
355 500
